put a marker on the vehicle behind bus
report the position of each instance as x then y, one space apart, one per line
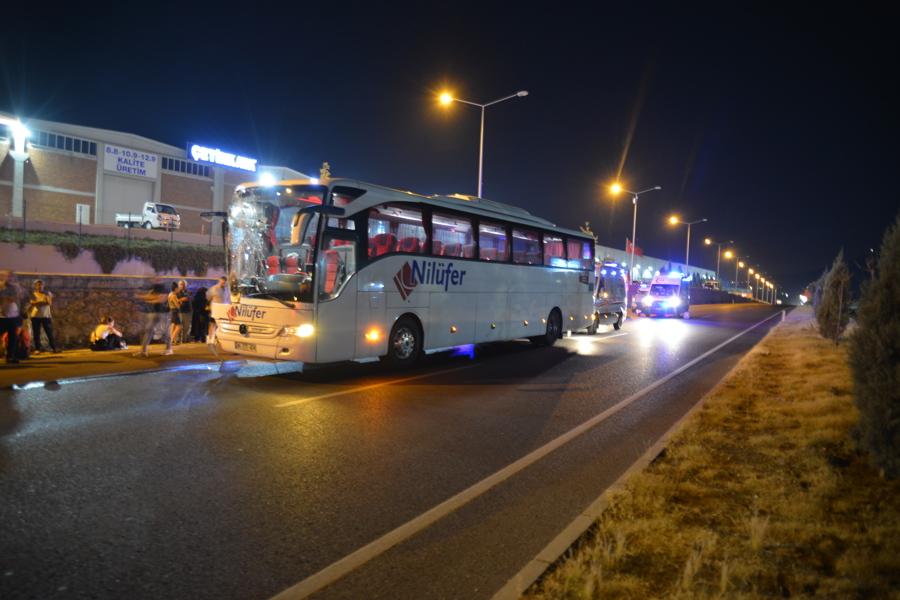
610 296
668 295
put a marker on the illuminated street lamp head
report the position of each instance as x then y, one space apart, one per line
728 254
673 220
446 98
616 188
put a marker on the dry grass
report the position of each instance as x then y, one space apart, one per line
760 495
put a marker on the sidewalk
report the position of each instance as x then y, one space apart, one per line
86 364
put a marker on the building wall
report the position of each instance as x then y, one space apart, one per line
56 183
190 195
65 168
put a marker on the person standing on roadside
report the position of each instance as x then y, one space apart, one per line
217 294
156 310
174 301
186 311
200 322
11 297
40 317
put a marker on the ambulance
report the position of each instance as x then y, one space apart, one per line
668 295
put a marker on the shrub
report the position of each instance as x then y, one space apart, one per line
833 311
874 358
109 251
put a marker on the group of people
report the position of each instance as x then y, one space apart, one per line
175 305
174 311
17 305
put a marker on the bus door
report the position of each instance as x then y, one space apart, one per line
336 301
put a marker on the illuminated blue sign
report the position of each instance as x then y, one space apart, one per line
218 157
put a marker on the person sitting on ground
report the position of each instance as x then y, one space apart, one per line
106 337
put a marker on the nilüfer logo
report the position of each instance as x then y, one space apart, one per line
240 311
426 272
404 281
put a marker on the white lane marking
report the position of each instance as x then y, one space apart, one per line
318 581
368 387
597 339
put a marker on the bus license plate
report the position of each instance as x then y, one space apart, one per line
245 347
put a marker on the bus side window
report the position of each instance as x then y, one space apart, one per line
492 241
394 228
554 251
526 246
453 232
579 254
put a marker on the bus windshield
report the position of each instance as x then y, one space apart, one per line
271 246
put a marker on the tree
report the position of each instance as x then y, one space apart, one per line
833 313
874 358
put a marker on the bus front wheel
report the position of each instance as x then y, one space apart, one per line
553 333
404 344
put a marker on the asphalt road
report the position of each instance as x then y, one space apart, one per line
346 481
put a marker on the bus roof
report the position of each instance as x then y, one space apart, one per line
469 204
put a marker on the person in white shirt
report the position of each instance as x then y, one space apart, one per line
105 336
41 301
217 294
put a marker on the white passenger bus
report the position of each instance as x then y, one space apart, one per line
336 269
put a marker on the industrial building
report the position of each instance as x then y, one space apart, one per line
70 173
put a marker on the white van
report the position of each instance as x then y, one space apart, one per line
668 295
610 296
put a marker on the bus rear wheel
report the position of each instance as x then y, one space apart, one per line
404 344
553 333
592 328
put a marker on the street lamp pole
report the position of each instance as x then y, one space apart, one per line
709 242
615 190
737 265
447 99
687 254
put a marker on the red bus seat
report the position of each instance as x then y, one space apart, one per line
409 244
452 249
384 243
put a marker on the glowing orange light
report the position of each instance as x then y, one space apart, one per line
372 335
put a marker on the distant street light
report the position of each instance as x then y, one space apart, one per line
447 99
737 265
687 254
709 242
616 188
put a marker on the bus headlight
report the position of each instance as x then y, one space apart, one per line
647 301
305 330
674 302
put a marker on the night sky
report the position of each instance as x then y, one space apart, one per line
776 122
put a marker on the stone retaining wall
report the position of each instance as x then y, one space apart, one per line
80 301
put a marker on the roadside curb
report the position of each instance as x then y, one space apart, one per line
241 367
